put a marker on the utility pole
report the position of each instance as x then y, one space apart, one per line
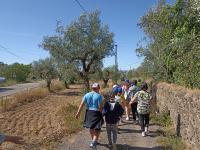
116 64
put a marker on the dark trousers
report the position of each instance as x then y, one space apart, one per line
134 110
144 121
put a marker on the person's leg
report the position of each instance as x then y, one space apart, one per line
127 111
141 118
108 129
114 132
96 135
92 133
146 121
137 115
134 109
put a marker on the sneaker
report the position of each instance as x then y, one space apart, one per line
137 118
109 145
114 146
146 130
127 118
93 145
143 134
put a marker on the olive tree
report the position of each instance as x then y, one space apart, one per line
85 42
45 69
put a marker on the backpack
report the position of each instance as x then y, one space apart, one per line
132 90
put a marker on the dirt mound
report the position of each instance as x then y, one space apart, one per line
39 121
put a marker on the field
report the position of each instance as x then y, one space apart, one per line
40 121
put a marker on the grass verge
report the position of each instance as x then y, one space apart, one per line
18 99
8 83
167 139
72 124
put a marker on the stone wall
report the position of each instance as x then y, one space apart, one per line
184 102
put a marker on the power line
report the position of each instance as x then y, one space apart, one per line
81 6
7 50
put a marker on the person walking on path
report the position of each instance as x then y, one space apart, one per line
143 98
93 116
125 93
112 111
132 91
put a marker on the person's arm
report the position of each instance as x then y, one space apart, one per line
79 109
101 104
133 100
14 139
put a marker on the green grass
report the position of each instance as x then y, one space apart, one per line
8 83
72 124
167 136
162 119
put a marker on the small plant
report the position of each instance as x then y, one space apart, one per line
57 86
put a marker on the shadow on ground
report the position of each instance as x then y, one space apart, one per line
71 93
127 147
5 89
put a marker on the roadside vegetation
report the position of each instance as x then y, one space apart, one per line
27 96
167 139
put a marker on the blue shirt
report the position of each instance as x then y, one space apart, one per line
93 100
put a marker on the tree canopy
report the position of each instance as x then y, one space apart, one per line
45 69
84 43
172 45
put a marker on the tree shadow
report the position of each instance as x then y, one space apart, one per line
128 147
71 93
128 131
2 89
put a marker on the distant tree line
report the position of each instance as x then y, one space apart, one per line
16 71
171 48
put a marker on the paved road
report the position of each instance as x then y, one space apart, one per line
9 90
129 139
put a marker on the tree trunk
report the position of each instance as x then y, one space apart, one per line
49 85
87 84
105 81
66 85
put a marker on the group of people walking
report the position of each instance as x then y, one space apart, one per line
122 98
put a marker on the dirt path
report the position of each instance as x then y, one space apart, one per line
129 139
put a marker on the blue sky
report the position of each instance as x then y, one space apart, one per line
24 23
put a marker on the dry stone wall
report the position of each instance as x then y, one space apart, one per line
182 102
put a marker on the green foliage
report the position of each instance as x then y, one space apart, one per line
45 69
161 119
16 71
84 43
172 49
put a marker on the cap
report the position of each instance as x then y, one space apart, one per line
115 86
95 85
127 80
119 89
115 90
